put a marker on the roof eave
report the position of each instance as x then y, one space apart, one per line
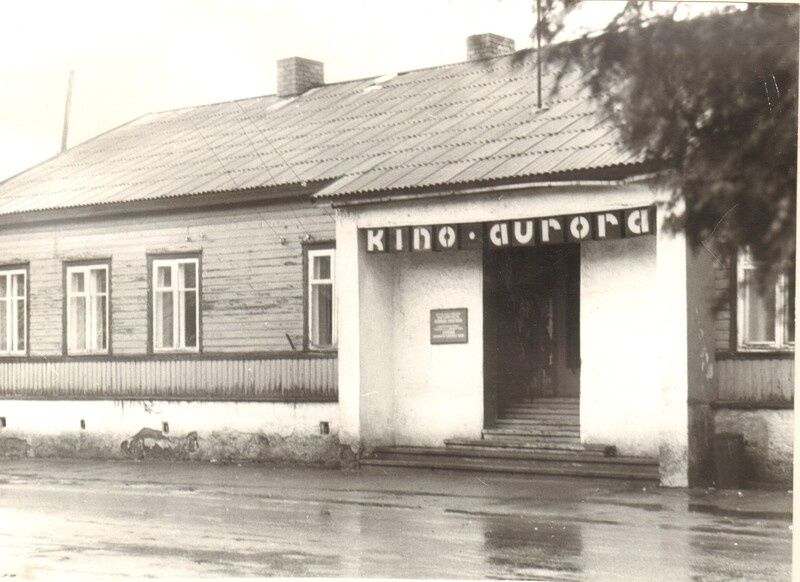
599 177
205 201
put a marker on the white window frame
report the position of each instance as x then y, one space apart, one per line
178 316
8 304
91 296
312 254
745 264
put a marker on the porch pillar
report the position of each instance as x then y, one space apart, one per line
347 295
365 287
671 350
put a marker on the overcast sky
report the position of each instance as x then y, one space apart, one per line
131 57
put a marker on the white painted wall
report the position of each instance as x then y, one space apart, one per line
672 367
128 416
292 430
620 391
377 329
438 389
348 298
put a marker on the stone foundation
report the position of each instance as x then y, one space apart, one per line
768 441
203 431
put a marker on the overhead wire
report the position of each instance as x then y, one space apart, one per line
228 173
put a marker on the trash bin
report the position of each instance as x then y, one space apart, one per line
729 460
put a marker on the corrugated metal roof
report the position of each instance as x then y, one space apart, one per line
468 122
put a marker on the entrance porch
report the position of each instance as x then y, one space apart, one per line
575 321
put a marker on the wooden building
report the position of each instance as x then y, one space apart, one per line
417 269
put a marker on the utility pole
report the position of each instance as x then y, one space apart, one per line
65 130
538 53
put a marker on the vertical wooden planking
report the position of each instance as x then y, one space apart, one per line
274 367
335 377
757 378
112 378
251 380
726 388
147 377
323 375
194 375
226 378
258 368
765 377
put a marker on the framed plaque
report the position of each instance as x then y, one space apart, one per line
449 326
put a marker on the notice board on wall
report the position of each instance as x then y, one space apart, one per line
449 326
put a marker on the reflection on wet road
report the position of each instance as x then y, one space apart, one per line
87 519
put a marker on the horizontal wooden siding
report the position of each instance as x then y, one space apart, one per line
268 379
252 271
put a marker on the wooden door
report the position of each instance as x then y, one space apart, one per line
532 324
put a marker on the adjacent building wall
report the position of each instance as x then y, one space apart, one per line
768 439
755 390
252 302
251 392
701 362
252 275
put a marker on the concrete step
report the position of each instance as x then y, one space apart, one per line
568 423
541 445
566 469
520 445
531 406
536 429
536 410
480 452
540 412
543 414
523 445
550 400
554 422
528 433
543 404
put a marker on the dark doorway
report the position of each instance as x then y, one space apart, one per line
531 325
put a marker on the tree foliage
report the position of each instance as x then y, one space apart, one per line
715 99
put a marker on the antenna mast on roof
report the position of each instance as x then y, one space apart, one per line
539 53
65 130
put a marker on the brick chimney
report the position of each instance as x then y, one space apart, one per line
297 75
487 46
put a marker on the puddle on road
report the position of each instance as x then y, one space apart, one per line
739 513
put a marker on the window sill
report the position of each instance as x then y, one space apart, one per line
322 351
752 404
751 354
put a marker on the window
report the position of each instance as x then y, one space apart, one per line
321 298
13 312
87 309
176 300
765 316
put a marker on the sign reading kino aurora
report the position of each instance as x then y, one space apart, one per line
607 225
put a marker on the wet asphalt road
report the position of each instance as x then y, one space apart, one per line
101 520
